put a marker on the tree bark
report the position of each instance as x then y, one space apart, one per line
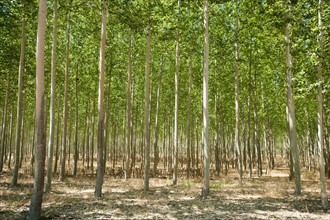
176 105
40 149
65 104
100 134
320 126
156 147
256 128
237 130
76 153
249 114
290 108
147 106
4 127
19 104
52 103
205 131
189 130
57 136
88 136
129 109
10 137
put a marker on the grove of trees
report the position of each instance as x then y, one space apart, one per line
175 88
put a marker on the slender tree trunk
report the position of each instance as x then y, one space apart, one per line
265 140
69 144
33 141
197 146
189 118
176 106
320 126
129 109
19 103
205 130
100 134
290 108
88 135
147 106
249 116
10 137
156 147
65 104
76 153
22 142
4 127
40 149
57 136
84 139
92 138
256 128
237 130
52 103
106 124
114 126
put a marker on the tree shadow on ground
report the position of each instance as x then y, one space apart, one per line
166 204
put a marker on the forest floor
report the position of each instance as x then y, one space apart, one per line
268 197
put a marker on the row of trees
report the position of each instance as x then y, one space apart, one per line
242 113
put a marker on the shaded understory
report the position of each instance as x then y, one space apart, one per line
267 197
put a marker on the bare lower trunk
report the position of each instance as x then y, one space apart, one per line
19 105
65 104
205 130
176 108
4 127
40 149
189 119
237 130
156 147
100 134
147 107
320 126
129 109
291 112
52 104
76 128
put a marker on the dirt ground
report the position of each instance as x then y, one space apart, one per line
267 197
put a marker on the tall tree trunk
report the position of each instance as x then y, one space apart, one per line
237 130
52 103
320 126
57 136
10 137
88 136
40 149
65 104
92 138
256 128
33 141
106 124
100 134
189 118
22 142
264 126
147 106
84 140
4 127
19 104
205 130
76 153
290 108
176 105
249 115
156 147
129 109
